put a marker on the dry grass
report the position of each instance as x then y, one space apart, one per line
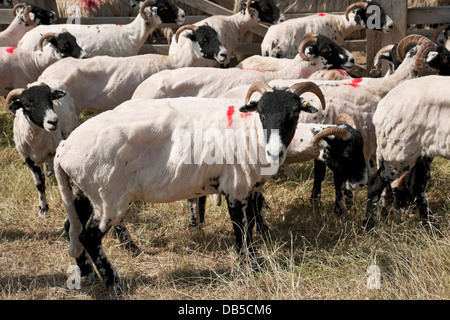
312 254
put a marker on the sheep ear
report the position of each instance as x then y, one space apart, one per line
58 94
249 107
307 107
14 106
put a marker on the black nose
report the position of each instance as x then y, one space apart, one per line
53 122
223 55
352 60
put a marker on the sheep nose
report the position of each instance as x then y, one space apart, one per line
223 55
53 122
280 154
352 60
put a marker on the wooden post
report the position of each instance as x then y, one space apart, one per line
398 11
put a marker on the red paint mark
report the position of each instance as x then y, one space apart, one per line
342 72
203 188
119 25
245 115
321 14
354 83
10 50
197 193
90 4
252 69
230 113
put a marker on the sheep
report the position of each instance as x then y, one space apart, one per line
389 53
144 144
96 8
445 31
102 83
315 53
27 17
114 40
230 29
282 40
339 146
19 68
359 97
411 124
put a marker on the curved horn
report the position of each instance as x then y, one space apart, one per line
424 49
47 36
385 49
12 95
308 86
185 27
309 39
439 30
408 41
357 5
343 117
26 15
258 86
334 131
17 7
146 4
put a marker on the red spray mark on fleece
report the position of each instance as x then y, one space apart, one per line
342 72
354 83
230 113
321 14
10 50
90 4
245 115
252 70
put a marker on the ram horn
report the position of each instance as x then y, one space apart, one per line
407 42
383 50
26 15
343 117
334 131
47 36
422 53
309 39
17 6
439 30
308 86
357 5
12 95
258 86
146 4
183 28
250 10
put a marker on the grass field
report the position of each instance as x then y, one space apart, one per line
312 253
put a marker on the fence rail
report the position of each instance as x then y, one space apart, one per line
396 9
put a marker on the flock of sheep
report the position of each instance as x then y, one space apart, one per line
174 127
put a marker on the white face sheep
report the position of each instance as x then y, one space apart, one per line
19 67
282 40
102 83
316 52
114 40
230 29
411 124
145 145
27 17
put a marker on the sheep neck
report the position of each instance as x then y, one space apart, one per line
11 35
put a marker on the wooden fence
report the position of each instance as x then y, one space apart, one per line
396 9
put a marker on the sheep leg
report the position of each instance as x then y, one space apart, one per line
91 239
243 218
39 181
377 182
339 204
124 236
319 175
261 225
421 175
196 211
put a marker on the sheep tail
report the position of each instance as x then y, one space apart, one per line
75 247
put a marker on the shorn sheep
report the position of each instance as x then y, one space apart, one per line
18 67
316 52
282 40
26 17
135 144
230 29
359 97
411 125
110 39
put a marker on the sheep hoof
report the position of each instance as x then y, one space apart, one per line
340 209
43 212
